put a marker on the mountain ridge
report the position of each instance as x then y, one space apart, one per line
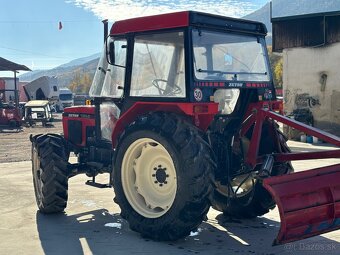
81 61
65 72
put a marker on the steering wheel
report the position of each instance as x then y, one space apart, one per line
165 92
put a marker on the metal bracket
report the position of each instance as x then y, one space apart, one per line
93 183
267 167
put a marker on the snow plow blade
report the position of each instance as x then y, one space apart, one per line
308 202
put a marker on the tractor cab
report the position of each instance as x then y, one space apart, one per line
183 57
37 111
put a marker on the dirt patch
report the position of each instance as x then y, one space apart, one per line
15 144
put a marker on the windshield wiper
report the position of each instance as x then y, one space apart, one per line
222 72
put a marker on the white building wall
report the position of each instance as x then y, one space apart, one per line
311 79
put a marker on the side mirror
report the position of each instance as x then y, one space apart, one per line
110 51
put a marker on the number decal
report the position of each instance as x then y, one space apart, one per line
198 95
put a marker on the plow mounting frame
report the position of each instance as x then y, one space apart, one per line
308 201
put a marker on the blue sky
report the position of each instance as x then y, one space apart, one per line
30 33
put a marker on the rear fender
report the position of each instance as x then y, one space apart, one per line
201 114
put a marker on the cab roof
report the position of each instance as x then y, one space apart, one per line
36 103
185 19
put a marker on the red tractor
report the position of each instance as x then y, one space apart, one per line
10 116
184 118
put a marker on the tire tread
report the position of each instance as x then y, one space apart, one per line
198 165
53 157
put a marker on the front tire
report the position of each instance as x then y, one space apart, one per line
50 175
162 176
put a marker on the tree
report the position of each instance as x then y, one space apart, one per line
81 82
75 82
278 70
276 65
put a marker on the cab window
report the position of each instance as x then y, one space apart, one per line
109 78
158 66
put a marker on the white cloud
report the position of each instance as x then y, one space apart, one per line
123 9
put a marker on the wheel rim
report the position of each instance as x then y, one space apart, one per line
149 178
241 185
238 190
245 188
36 173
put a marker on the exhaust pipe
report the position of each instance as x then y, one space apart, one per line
106 29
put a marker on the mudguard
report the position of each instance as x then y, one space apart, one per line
308 202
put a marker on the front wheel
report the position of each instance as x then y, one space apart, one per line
161 177
50 174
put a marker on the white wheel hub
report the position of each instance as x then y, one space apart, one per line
149 178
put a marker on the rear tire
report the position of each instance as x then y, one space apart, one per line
258 201
249 206
50 174
162 176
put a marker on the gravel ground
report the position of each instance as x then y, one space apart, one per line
15 144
